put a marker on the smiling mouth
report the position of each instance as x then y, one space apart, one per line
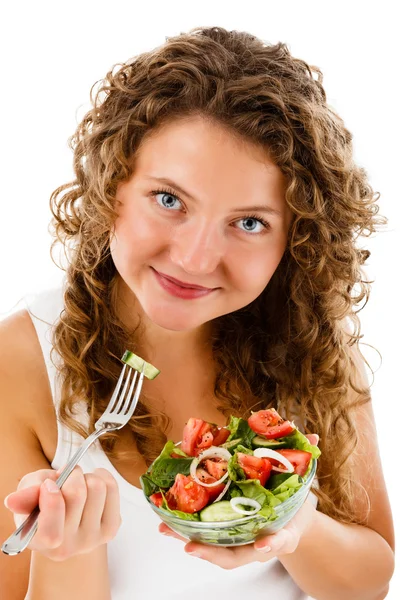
182 284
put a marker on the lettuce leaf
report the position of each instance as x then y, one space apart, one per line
286 487
164 469
148 486
239 428
297 440
235 471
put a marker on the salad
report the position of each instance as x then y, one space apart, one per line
225 473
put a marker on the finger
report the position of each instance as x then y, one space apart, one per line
36 478
313 438
90 523
24 501
224 557
74 492
26 497
111 517
284 541
231 558
51 518
165 530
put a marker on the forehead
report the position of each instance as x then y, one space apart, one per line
208 158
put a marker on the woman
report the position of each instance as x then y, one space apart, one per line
210 229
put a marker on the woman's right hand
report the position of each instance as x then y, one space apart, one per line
76 519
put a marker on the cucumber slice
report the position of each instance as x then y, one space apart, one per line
136 363
261 442
219 511
231 445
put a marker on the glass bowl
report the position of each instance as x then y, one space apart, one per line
244 530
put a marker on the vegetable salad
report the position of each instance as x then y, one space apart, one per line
225 473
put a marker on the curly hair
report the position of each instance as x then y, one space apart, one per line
297 355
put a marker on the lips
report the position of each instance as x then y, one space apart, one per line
183 284
181 289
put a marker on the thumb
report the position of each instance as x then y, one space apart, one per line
313 438
23 501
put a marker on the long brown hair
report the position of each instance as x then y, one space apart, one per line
287 348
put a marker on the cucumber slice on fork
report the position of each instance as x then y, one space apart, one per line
134 361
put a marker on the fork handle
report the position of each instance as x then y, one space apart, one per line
20 539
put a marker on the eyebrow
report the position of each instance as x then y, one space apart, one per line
256 208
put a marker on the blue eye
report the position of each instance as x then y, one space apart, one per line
252 225
167 200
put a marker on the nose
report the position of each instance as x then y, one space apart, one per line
198 247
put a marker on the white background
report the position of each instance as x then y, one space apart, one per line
52 53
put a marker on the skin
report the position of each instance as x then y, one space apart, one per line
203 240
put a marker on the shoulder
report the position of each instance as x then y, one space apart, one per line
23 373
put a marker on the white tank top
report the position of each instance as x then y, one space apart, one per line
144 564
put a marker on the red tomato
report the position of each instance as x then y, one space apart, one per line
190 436
188 495
255 467
199 435
214 491
171 501
221 436
156 499
216 468
270 424
299 459
206 438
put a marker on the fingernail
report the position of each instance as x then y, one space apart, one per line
264 549
194 554
5 501
51 486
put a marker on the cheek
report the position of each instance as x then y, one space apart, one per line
136 238
252 271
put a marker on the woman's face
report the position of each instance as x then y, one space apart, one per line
202 224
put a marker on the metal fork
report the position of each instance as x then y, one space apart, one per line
117 414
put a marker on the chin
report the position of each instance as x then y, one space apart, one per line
174 320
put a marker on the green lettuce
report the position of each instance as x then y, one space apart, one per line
297 440
235 471
284 486
240 428
164 469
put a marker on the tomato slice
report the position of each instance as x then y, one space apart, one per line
205 437
255 467
188 495
191 434
270 424
156 499
216 468
171 501
199 435
214 491
221 436
300 459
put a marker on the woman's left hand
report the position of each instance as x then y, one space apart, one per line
284 541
